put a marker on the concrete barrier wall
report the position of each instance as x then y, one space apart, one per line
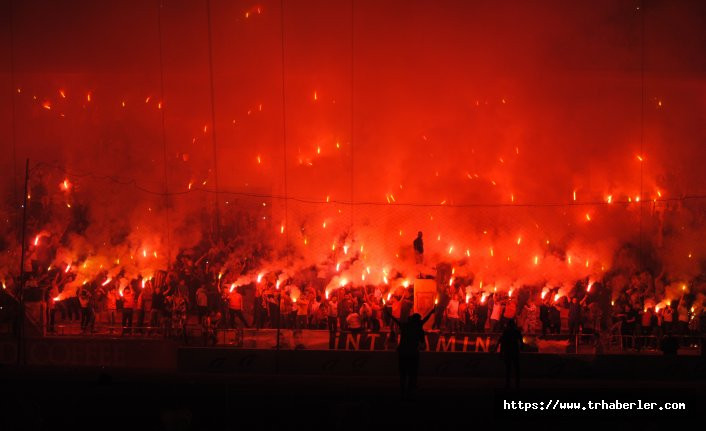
84 352
239 361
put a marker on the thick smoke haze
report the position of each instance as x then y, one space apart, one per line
532 143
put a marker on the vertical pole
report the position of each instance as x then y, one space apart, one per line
164 134
213 118
20 314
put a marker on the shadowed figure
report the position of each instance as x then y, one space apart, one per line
411 336
510 344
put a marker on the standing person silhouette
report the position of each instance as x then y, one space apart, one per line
510 344
418 248
411 336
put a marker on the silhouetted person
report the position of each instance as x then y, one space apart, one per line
411 336
418 248
510 343
670 345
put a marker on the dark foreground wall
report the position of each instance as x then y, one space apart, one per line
166 356
339 363
93 352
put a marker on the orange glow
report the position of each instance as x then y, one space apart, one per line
62 94
519 240
316 96
536 260
639 157
574 195
88 97
588 217
46 105
609 199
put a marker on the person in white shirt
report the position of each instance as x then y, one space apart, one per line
452 314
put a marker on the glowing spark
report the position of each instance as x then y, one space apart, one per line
277 285
384 279
305 241
328 198
510 293
316 96
659 193
405 284
191 183
689 255
482 298
586 263
588 288
544 293
443 202
232 286
47 106
154 254
122 103
343 282
220 275
556 297
324 225
345 249
338 266
144 252
536 260
451 249
519 240
639 157
62 94
491 252
338 146
259 160
468 252
574 195
569 260
326 293
107 281
205 128
609 199
367 270
333 247
36 240
637 198
512 198
588 217
68 268
259 277
159 105
88 97
451 281
436 301
281 228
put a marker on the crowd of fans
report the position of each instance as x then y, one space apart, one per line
198 291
